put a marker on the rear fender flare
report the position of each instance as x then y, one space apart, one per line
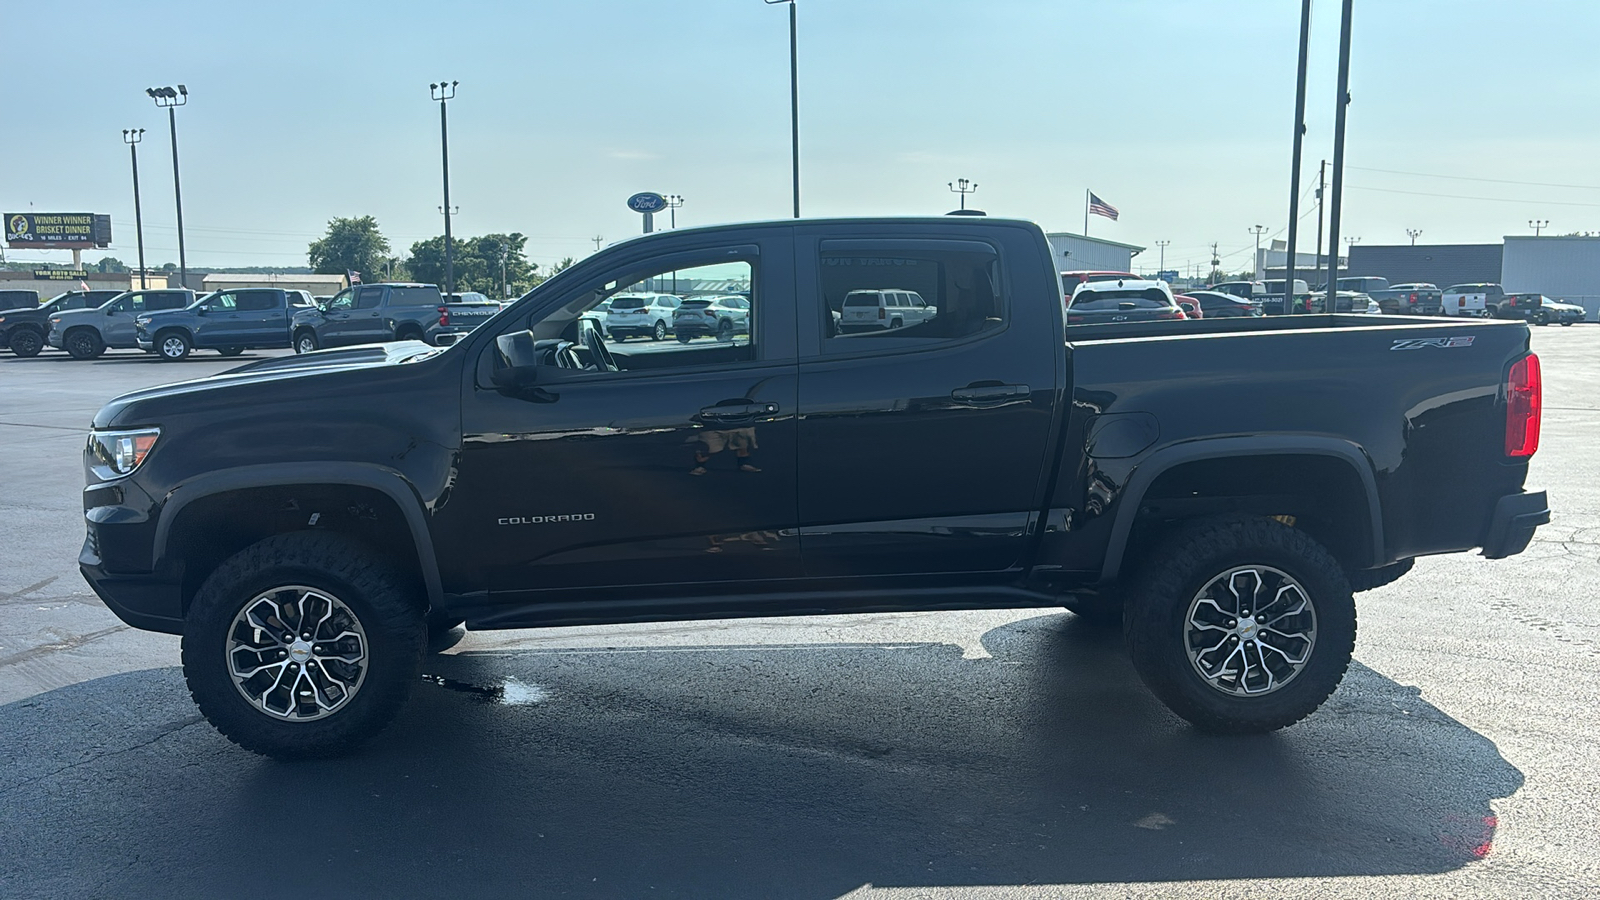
379 478
1220 448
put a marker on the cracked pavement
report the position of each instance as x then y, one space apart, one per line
954 755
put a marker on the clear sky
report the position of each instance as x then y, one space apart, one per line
1177 112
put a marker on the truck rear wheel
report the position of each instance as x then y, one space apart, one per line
302 645
84 343
25 342
1241 624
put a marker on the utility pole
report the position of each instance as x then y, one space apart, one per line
1538 225
132 137
597 239
673 202
1258 231
794 100
1338 142
963 187
1163 266
1413 233
1294 166
1322 182
167 98
1216 262
442 92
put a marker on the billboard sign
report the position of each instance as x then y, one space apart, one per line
59 275
57 231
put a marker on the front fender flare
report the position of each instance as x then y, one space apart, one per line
380 478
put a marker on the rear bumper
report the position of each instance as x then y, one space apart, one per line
1516 517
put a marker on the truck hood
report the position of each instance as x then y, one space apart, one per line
306 376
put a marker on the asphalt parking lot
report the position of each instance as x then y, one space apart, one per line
953 755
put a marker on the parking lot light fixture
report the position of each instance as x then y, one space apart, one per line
132 137
1538 225
1413 233
963 187
170 100
443 91
673 202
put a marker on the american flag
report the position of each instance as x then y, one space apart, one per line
353 275
1101 208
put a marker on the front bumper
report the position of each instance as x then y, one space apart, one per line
1516 517
53 339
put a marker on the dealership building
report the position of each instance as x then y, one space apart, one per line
1560 267
1077 252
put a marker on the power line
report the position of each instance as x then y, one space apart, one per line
1484 199
1585 187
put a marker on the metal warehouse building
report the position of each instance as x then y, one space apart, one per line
1075 252
1441 264
1562 268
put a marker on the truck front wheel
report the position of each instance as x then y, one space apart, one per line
1241 624
173 346
84 343
302 645
305 341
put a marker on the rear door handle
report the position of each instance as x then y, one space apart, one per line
990 392
737 411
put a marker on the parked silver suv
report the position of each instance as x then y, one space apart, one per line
641 315
883 309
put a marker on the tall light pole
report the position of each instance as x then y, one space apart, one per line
1162 266
1538 225
1294 166
963 187
1258 231
1413 233
1340 109
170 100
132 137
673 202
794 100
597 239
442 92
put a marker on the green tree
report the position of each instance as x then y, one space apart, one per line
109 264
350 245
478 263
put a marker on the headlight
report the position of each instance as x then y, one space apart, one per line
120 452
55 320
142 320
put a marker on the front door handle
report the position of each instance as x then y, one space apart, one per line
990 392
737 411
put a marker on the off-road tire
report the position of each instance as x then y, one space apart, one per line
25 342
84 343
173 346
388 608
1180 567
1367 579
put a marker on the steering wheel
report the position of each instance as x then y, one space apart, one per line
599 352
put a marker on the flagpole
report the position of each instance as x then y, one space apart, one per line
1085 212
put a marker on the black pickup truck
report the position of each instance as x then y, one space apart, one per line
23 330
374 313
1219 487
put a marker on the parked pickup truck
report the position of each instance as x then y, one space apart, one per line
229 322
23 330
310 523
1399 299
88 333
1481 300
373 313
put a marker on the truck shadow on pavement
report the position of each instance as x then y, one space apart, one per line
784 771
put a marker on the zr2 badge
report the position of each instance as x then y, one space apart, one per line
1440 343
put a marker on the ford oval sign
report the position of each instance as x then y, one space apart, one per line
647 202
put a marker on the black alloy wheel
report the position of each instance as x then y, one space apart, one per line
84 343
25 342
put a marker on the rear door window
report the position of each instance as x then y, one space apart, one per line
413 296
258 301
168 300
959 280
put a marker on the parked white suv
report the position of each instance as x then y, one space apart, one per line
641 315
882 310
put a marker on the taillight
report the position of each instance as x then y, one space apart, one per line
1413 298
444 317
1524 400
1513 300
881 314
